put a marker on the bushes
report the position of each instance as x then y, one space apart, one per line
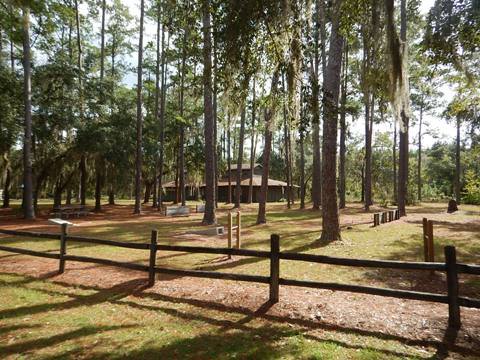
471 194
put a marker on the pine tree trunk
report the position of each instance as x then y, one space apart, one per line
238 185
209 128
158 79
419 164
181 147
83 180
285 145
343 134
229 161
317 162
269 116
8 181
457 163
403 146
302 170
162 120
253 145
98 184
215 119
99 168
28 210
394 160
138 154
331 89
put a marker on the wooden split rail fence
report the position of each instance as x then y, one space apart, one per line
385 216
451 267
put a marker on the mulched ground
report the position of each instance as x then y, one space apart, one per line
413 323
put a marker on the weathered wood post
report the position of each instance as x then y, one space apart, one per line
274 268
384 217
390 216
431 249
63 247
153 258
397 214
452 287
230 232
376 219
239 229
426 256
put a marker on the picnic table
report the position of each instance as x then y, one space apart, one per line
67 211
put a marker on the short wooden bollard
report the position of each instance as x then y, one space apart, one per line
153 258
376 219
63 248
397 214
239 236
274 268
384 217
454 320
390 216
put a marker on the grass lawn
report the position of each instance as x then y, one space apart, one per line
94 311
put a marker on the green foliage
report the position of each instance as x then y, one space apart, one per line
471 194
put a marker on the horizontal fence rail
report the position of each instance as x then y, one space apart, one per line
450 267
363 263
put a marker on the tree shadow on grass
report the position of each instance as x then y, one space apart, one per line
44 342
220 343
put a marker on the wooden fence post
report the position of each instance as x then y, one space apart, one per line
274 268
431 249
63 248
452 287
376 219
153 258
397 214
390 215
239 234
230 232
426 256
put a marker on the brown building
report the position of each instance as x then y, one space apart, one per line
277 190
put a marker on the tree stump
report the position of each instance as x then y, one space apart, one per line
452 206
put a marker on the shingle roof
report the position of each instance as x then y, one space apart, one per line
257 182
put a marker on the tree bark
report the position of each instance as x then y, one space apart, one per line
269 116
302 169
238 185
138 156
209 127
162 119
331 89
343 133
253 145
28 210
229 161
285 145
419 163
8 181
394 154
181 147
317 162
99 168
457 163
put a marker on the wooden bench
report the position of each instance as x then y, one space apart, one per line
69 211
177 211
